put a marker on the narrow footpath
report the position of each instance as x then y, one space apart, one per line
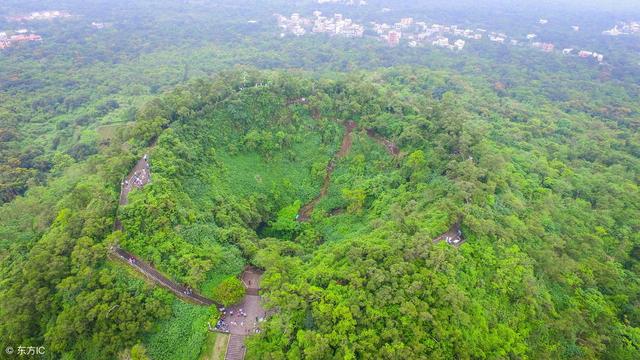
391 147
138 177
154 275
347 141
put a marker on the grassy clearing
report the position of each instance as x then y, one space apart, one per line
184 335
181 336
108 132
289 172
214 347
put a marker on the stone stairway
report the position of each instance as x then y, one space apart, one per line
235 349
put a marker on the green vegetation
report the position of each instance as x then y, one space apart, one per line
509 291
137 352
229 291
536 157
215 346
548 248
180 336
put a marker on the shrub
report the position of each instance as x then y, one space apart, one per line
229 291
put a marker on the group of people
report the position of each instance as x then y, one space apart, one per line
238 318
139 178
454 240
222 326
132 260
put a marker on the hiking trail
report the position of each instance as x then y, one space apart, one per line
347 141
138 178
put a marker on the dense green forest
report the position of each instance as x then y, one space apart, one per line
536 157
549 207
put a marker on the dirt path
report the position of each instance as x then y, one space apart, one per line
391 147
347 141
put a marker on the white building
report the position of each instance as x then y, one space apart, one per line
613 32
441 42
406 22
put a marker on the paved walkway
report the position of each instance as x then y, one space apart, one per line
235 348
140 176
151 273
244 318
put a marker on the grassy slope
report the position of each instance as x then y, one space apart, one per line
249 173
214 347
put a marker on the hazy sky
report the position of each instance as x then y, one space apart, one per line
604 5
594 4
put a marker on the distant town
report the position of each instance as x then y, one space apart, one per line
337 25
40 15
10 38
415 34
624 28
407 31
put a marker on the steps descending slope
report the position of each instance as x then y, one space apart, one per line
235 348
